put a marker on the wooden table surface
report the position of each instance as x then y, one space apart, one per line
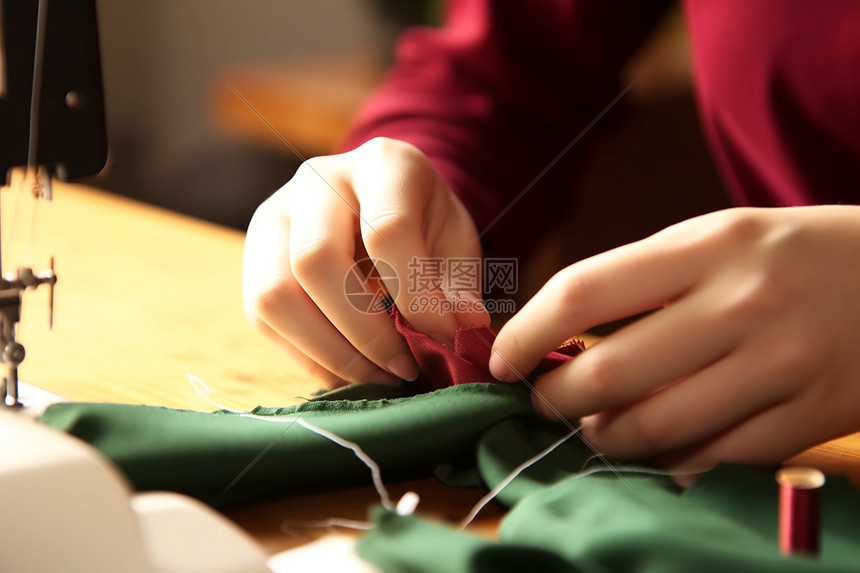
146 296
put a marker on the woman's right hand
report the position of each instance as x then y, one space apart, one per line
383 200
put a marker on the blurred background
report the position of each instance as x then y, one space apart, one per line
182 138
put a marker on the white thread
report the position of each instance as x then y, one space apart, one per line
511 476
601 469
330 522
406 506
375 472
408 503
533 460
203 391
589 459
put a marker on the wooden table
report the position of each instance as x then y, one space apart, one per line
146 296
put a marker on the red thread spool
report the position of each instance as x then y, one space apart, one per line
799 510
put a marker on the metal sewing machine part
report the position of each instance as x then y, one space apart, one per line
65 507
2 56
52 113
52 103
11 287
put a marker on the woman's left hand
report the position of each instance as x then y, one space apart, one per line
753 355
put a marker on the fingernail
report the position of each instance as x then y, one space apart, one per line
499 369
590 423
441 338
588 433
686 480
404 366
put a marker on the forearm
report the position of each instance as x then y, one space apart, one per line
495 95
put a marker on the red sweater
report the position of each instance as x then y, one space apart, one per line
499 91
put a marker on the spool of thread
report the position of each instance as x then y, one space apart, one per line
799 510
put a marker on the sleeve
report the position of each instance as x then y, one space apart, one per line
494 96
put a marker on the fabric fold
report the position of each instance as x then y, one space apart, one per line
566 519
222 457
468 361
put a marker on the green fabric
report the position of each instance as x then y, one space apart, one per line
562 521
202 454
507 444
407 543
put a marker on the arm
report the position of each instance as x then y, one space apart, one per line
482 105
498 92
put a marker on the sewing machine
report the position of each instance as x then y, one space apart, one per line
64 506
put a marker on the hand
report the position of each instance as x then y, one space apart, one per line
752 356
303 241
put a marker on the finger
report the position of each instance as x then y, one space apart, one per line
312 368
470 310
704 405
396 190
677 341
274 298
457 242
616 284
322 255
766 439
297 319
686 479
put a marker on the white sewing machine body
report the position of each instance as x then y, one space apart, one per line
66 508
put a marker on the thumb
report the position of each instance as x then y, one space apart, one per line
469 309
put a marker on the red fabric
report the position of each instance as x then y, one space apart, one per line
468 361
494 96
779 94
503 87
